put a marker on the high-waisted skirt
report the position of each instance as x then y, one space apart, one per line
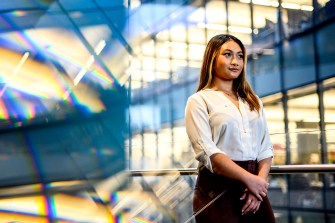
217 199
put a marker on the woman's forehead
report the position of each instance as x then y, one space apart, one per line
230 45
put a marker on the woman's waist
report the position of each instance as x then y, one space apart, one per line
211 182
248 165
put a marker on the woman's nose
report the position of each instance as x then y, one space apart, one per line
234 60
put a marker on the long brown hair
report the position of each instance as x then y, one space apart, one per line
240 84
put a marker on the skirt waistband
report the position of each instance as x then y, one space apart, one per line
248 165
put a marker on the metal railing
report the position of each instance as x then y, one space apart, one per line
277 169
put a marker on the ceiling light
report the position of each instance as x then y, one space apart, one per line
307 8
238 29
176 44
212 26
290 5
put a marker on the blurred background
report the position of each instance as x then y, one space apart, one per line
93 92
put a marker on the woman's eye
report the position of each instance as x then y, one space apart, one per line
240 56
227 54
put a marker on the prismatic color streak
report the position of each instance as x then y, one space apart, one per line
3 110
13 105
19 106
45 205
51 207
100 75
97 72
19 37
139 220
125 216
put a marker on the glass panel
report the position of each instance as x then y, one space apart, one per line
306 190
196 22
300 216
297 16
179 99
183 153
303 117
165 108
299 67
240 21
150 156
328 101
165 145
196 52
71 5
21 4
196 34
161 199
275 119
265 24
326 49
58 100
216 13
216 18
325 10
137 152
302 197
265 67
178 33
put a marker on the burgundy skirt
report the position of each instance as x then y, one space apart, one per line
217 199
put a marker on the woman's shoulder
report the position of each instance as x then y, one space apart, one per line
201 95
259 101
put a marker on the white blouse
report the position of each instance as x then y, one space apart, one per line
215 125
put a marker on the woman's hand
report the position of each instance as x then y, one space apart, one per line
257 186
251 204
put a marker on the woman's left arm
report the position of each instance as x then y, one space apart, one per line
264 167
252 203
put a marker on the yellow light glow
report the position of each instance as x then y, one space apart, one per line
27 75
290 5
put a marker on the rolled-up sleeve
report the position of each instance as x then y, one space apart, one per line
199 131
266 148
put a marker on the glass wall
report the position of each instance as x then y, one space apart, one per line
326 51
297 16
303 123
299 65
274 111
328 97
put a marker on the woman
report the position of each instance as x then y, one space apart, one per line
226 125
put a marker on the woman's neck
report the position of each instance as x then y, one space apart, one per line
226 87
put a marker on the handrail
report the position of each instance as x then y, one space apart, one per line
276 169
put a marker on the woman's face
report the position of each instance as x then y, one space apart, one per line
229 62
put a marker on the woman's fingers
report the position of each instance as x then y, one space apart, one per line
244 195
263 192
259 197
251 204
258 186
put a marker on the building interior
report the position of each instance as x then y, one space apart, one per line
93 95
